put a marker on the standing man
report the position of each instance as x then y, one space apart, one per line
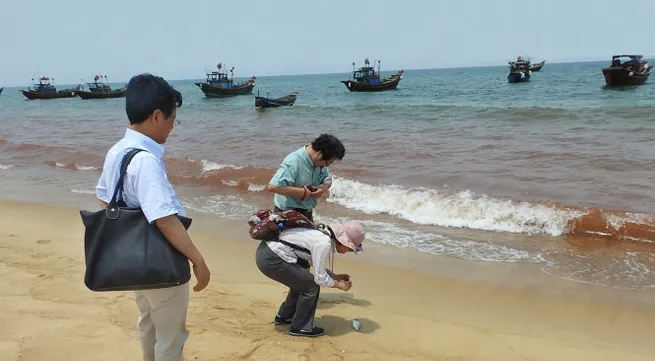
303 176
151 106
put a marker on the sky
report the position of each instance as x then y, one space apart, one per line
71 40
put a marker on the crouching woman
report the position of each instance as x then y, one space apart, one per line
278 260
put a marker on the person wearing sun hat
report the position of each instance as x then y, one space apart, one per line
278 260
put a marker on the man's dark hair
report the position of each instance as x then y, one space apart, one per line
146 93
330 147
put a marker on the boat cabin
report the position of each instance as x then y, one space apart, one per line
99 87
623 61
519 65
44 86
366 75
219 79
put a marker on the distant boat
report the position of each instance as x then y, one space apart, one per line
45 90
100 90
519 70
632 71
219 85
537 66
262 102
366 79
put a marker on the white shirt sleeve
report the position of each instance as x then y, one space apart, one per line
151 187
320 255
101 190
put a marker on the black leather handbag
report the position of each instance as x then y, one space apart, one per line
124 252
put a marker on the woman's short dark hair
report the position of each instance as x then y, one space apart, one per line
146 93
330 147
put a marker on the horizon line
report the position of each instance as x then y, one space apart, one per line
346 72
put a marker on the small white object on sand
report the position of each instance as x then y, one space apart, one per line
357 325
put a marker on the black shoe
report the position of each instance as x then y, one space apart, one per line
317 331
282 321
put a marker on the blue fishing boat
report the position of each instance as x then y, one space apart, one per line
100 90
263 102
45 90
219 85
367 79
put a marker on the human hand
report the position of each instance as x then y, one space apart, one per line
202 273
317 193
342 277
343 285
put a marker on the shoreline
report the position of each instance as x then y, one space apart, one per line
406 312
520 258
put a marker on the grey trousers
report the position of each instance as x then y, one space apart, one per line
302 299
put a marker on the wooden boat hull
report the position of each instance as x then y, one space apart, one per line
32 95
218 92
261 102
538 66
518 77
618 76
389 84
118 93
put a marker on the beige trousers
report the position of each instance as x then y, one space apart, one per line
162 322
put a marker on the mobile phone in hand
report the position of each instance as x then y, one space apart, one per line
312 189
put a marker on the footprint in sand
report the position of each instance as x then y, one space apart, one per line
43 241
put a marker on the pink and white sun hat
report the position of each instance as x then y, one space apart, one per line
350 234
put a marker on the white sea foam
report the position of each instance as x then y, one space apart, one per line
223 205
82 191
437 244
256 187
78 167
208 166
460 210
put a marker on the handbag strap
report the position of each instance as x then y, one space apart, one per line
118 191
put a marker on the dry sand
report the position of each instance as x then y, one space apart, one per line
47 314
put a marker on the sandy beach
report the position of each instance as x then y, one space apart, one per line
406 314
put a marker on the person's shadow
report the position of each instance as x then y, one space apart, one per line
339 326
329 300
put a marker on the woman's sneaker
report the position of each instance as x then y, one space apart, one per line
317 331
282 321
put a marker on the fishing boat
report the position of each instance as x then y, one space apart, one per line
367 79
627 70
519 70
219 85
264 102
100 90
45 90
537 66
